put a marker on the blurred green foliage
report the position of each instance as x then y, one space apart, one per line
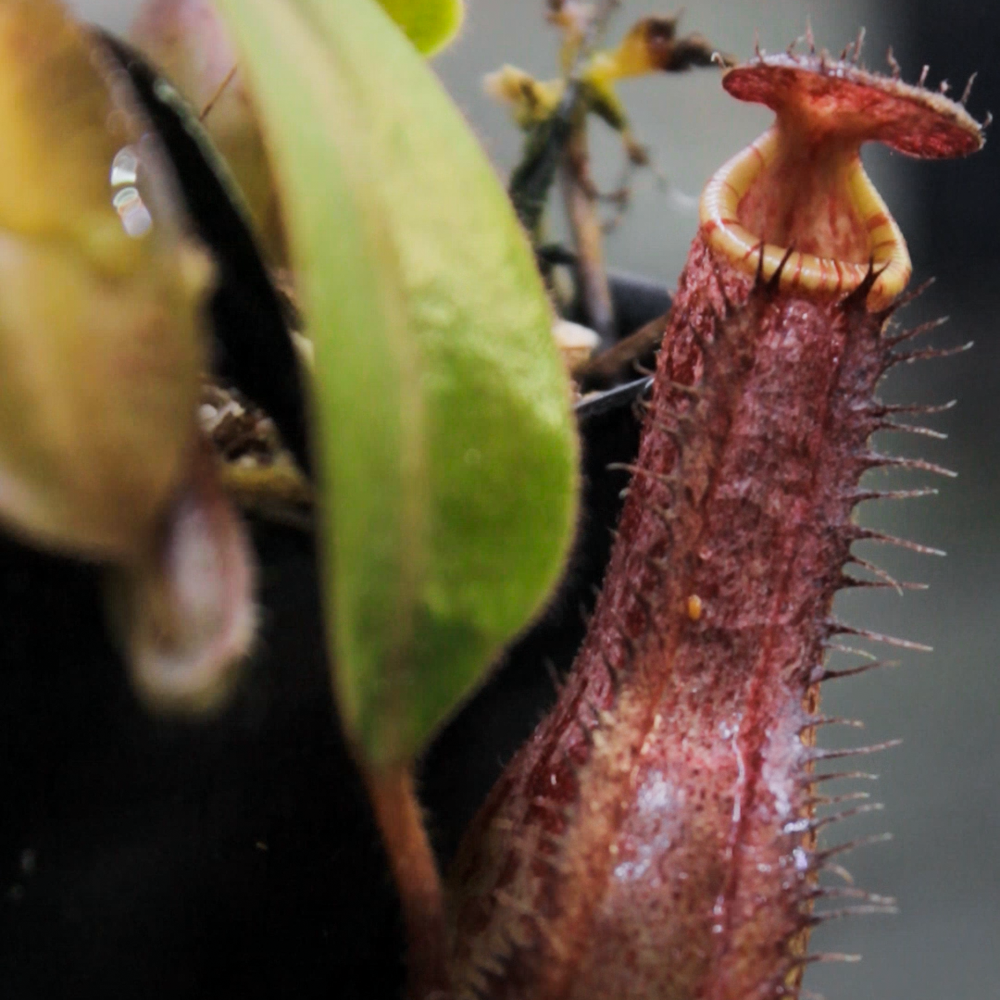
445 445
429 24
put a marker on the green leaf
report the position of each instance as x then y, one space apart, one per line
429 24
445 443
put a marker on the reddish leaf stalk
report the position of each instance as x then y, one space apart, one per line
656 836
415 872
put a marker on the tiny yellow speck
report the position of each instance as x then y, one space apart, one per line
694 607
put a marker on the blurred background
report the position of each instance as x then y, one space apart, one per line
940 788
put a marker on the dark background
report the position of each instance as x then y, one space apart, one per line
140 858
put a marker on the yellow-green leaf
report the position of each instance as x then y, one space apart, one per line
429 24
444 440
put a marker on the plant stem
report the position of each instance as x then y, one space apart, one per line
532 178
418 881
622 360
585 226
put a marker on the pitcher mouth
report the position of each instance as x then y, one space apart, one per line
799 193
876 241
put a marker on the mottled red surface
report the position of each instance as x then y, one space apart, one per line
652 839
907 118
